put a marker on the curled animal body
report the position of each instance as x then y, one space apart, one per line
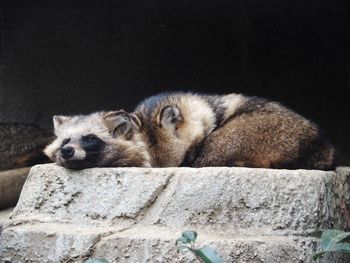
187 129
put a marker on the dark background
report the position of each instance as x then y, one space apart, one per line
66 57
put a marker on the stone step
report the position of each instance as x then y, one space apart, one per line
231 199
136 214
157 244
49 242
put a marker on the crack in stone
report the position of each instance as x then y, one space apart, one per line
154 198
136 216
68 259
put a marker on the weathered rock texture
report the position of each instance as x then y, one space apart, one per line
136 214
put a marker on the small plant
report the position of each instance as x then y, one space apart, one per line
330 242
204 254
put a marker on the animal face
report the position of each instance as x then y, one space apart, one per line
96 140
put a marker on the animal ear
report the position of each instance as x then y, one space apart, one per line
170 116
58 120
121 123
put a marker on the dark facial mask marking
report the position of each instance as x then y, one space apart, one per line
93 147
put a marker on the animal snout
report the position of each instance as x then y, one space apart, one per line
67 152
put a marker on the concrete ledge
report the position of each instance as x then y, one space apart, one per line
136 214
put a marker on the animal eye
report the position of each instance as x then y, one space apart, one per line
89 138
65 141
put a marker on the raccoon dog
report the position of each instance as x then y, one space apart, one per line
97 140
185 129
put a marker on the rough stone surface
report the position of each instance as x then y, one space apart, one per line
136 214
249 200
156 244
91 196
48 243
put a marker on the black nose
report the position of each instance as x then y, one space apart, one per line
67 152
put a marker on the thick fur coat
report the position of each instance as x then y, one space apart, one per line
186 129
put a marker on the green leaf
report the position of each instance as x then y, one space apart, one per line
208 255
331 237
339 247
190 235
342 247
96 260
330 242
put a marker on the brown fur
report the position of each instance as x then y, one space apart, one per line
271 137
169 134
245 131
